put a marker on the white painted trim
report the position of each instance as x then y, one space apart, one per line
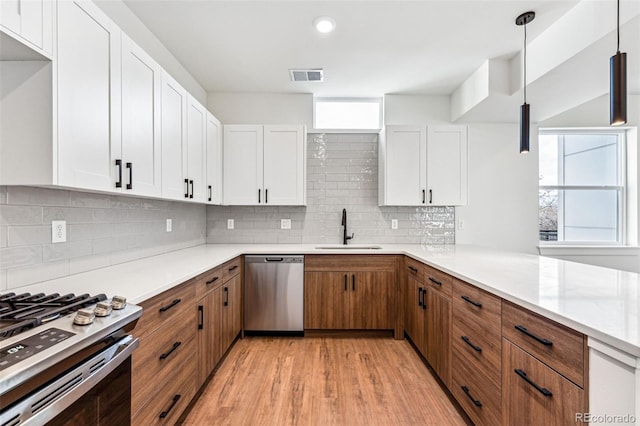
614 353
587 250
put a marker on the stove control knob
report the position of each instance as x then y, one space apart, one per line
84 317
103 309
118 302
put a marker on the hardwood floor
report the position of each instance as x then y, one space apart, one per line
323 381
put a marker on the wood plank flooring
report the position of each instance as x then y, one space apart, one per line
323 381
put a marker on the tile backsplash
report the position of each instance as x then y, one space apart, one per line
342 172
102 230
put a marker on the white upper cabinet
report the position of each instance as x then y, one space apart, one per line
420 166
264 165
214 160
30 22
196 155
174 139
89 103
141 149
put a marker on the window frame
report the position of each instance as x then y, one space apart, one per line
621 188
379 101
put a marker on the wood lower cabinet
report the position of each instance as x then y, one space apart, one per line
354 292
209 333
231 309
438 333
414 313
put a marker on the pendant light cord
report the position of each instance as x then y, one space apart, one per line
618 27
525 62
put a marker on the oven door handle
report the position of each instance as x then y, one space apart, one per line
42 406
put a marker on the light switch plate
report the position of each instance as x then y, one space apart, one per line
58 231
394 223
460 224
230 224
169 225
285 224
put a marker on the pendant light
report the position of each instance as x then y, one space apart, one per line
523 20
618 83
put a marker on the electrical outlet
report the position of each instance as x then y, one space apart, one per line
169 225
394 223
285 224
58 231
460 224
230 224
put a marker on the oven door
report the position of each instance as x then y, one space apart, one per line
96 388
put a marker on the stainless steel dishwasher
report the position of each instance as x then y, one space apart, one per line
274 294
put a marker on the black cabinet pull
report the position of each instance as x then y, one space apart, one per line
433 280
420 296
414 270
545 342
544 391
259 193
212 280
353 282
473 302
430 197
424 199
130 167
164 414
174 303
201 314
226 296
186 188
266 196
233 268
274 259
468 342
424 298
191 183
209 192
476 402
119 166
345 282
173 348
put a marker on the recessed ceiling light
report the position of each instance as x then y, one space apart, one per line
324 24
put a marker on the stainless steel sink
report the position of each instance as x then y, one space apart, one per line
348 247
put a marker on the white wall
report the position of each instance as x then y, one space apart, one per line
413 109
262 108
138 32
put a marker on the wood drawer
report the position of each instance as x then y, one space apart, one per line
350 263
414 269
208 281
489 356
164 307
149 369
554 344
438 280
181 382
480 389
523 403
231 269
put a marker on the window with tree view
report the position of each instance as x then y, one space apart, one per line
581 189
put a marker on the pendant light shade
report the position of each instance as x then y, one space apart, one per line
525 115
618 83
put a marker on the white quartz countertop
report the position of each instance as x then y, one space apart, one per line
599 302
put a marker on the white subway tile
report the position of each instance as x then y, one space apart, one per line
27 195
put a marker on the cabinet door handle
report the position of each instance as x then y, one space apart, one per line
266 196
420 296
473 302
130 167
233 268
191 183
212 280
468 342
164 414
186 188
424 199
476 402
171 305
433 280
545 342
424 298
259 193
201 320
412 269
119 166
353 282
430 197
209 192
173 348
544 391
226 296
345 282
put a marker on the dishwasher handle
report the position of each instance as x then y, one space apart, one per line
274 259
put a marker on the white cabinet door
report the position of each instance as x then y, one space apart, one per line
242 165
214 160
26 19
447 165
404 155
174 139
141 147
196 155
88 65
11 17
284 160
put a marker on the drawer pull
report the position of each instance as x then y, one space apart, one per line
233 268
545 342
544 391
473 302
420 296
345 282
212 280
173 348
174 303
468 342
164 414
475 401
424 298
353 282
201 319
414 270
433 280
226 296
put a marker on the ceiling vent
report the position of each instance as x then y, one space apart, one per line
315 75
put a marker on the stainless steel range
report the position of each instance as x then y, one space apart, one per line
60 353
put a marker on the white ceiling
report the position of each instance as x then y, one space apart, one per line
378 47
